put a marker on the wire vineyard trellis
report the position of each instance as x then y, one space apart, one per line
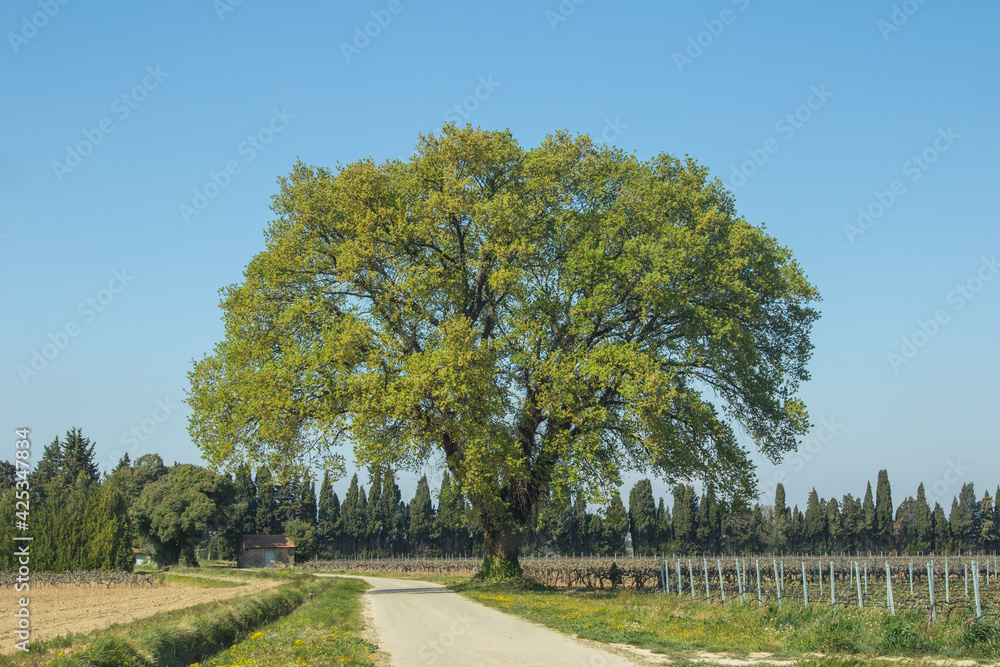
936 586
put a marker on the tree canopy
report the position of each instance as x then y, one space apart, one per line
543 318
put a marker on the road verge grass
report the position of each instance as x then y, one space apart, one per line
684 629
324 631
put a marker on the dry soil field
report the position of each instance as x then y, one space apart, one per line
57 610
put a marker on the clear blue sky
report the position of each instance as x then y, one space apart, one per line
836 101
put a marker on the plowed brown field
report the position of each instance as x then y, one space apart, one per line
57 610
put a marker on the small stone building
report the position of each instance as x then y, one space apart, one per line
266 551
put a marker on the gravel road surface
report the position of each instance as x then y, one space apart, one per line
420 623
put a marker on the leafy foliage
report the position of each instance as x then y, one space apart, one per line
544 318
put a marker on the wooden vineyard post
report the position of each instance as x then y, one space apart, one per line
663 574
722 584
966 581
760 598
975 588
857 580
805 586
930 589
888 589
911 577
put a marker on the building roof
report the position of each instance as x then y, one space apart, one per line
267 542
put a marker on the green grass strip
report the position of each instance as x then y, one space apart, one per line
681 628
323 631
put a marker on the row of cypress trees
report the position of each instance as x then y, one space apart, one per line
80 521
704 524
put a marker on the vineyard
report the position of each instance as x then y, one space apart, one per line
935 586
90 578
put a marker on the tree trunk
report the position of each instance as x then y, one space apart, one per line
500 559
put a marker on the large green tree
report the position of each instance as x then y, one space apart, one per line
175 511
544 318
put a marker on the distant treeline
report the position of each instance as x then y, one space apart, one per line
81 521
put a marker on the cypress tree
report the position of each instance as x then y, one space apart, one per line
815 529
779 540
450 516
964 528
350 519
850 513
109 537
267 522
421 527
328 515
561 523
834 525
642 517
883 511
615 525
758 539
376 520
308 502
868 519
241 514
796 530
580 535
388 510
987 526
363 531
923 524
942 532
904 528
664 531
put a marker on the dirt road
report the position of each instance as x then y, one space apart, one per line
419 623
